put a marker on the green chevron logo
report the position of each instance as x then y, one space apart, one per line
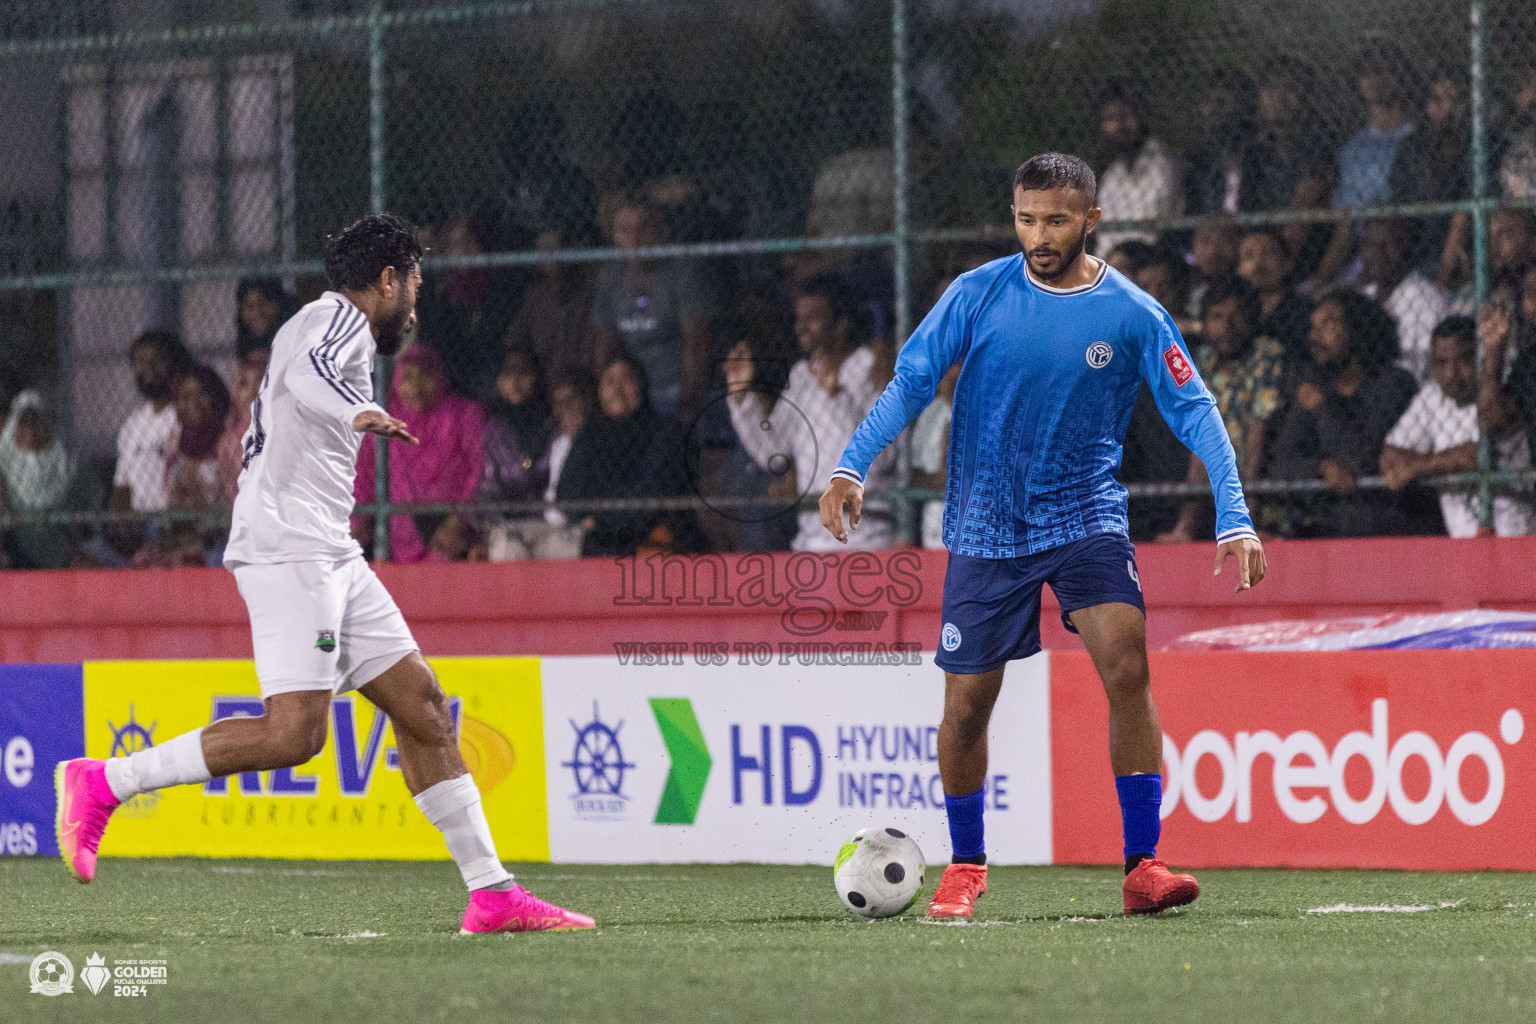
690 760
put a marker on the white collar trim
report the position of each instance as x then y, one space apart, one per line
1079 290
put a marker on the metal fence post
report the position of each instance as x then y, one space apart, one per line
900 255
1479 39
381 364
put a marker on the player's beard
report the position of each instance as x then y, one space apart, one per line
392 330
1068 258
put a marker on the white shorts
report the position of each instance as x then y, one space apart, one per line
321 625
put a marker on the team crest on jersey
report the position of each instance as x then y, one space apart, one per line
325 640
1178 365
1099 354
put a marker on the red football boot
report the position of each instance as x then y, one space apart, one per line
957 891
1151 887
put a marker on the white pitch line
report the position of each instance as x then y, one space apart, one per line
1383 908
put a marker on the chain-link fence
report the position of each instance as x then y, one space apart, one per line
639 213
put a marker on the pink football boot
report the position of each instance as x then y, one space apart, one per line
517 910
85 802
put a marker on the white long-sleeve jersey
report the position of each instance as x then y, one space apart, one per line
300 452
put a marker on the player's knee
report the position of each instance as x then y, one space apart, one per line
298 740
967 713
1125 676
430 722
438 716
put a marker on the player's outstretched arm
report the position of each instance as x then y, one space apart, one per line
372 421
1250 561
840 494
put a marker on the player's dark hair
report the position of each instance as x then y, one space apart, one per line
831 287
169 345
356 256
1461 327
1045 171
1234 287
1371 331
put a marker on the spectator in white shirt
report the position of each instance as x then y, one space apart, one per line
1143 179
1415 303
828 394
148 437
1437 435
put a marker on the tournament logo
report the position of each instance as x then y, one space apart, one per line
950 637
1178 365
52 974
95 974
597 765
325 640
1099 354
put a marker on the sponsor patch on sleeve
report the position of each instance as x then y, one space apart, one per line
1178 365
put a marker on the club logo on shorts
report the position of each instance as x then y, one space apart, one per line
950 637
325 640
1099 354
1178 365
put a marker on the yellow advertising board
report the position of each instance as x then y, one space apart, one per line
349 802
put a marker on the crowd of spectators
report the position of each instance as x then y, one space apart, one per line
1343 353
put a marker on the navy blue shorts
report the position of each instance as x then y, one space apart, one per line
992 605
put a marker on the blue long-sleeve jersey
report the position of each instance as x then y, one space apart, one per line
1048 380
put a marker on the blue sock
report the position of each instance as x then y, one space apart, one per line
1141 796
965 827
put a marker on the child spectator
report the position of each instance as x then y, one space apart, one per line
1438 436
444 467
517 429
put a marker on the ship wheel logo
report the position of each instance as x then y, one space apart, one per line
132 736
597 761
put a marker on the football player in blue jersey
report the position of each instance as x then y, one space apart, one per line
1053 345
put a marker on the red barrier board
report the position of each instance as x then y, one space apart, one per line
1371 759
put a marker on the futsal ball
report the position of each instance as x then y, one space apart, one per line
879 872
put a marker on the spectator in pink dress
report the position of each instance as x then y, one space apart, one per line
444 467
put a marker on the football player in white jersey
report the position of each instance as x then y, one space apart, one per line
321 622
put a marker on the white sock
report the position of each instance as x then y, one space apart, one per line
454 807
175 762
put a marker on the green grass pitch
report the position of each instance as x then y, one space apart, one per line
301 941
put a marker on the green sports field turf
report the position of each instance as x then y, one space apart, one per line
320 941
